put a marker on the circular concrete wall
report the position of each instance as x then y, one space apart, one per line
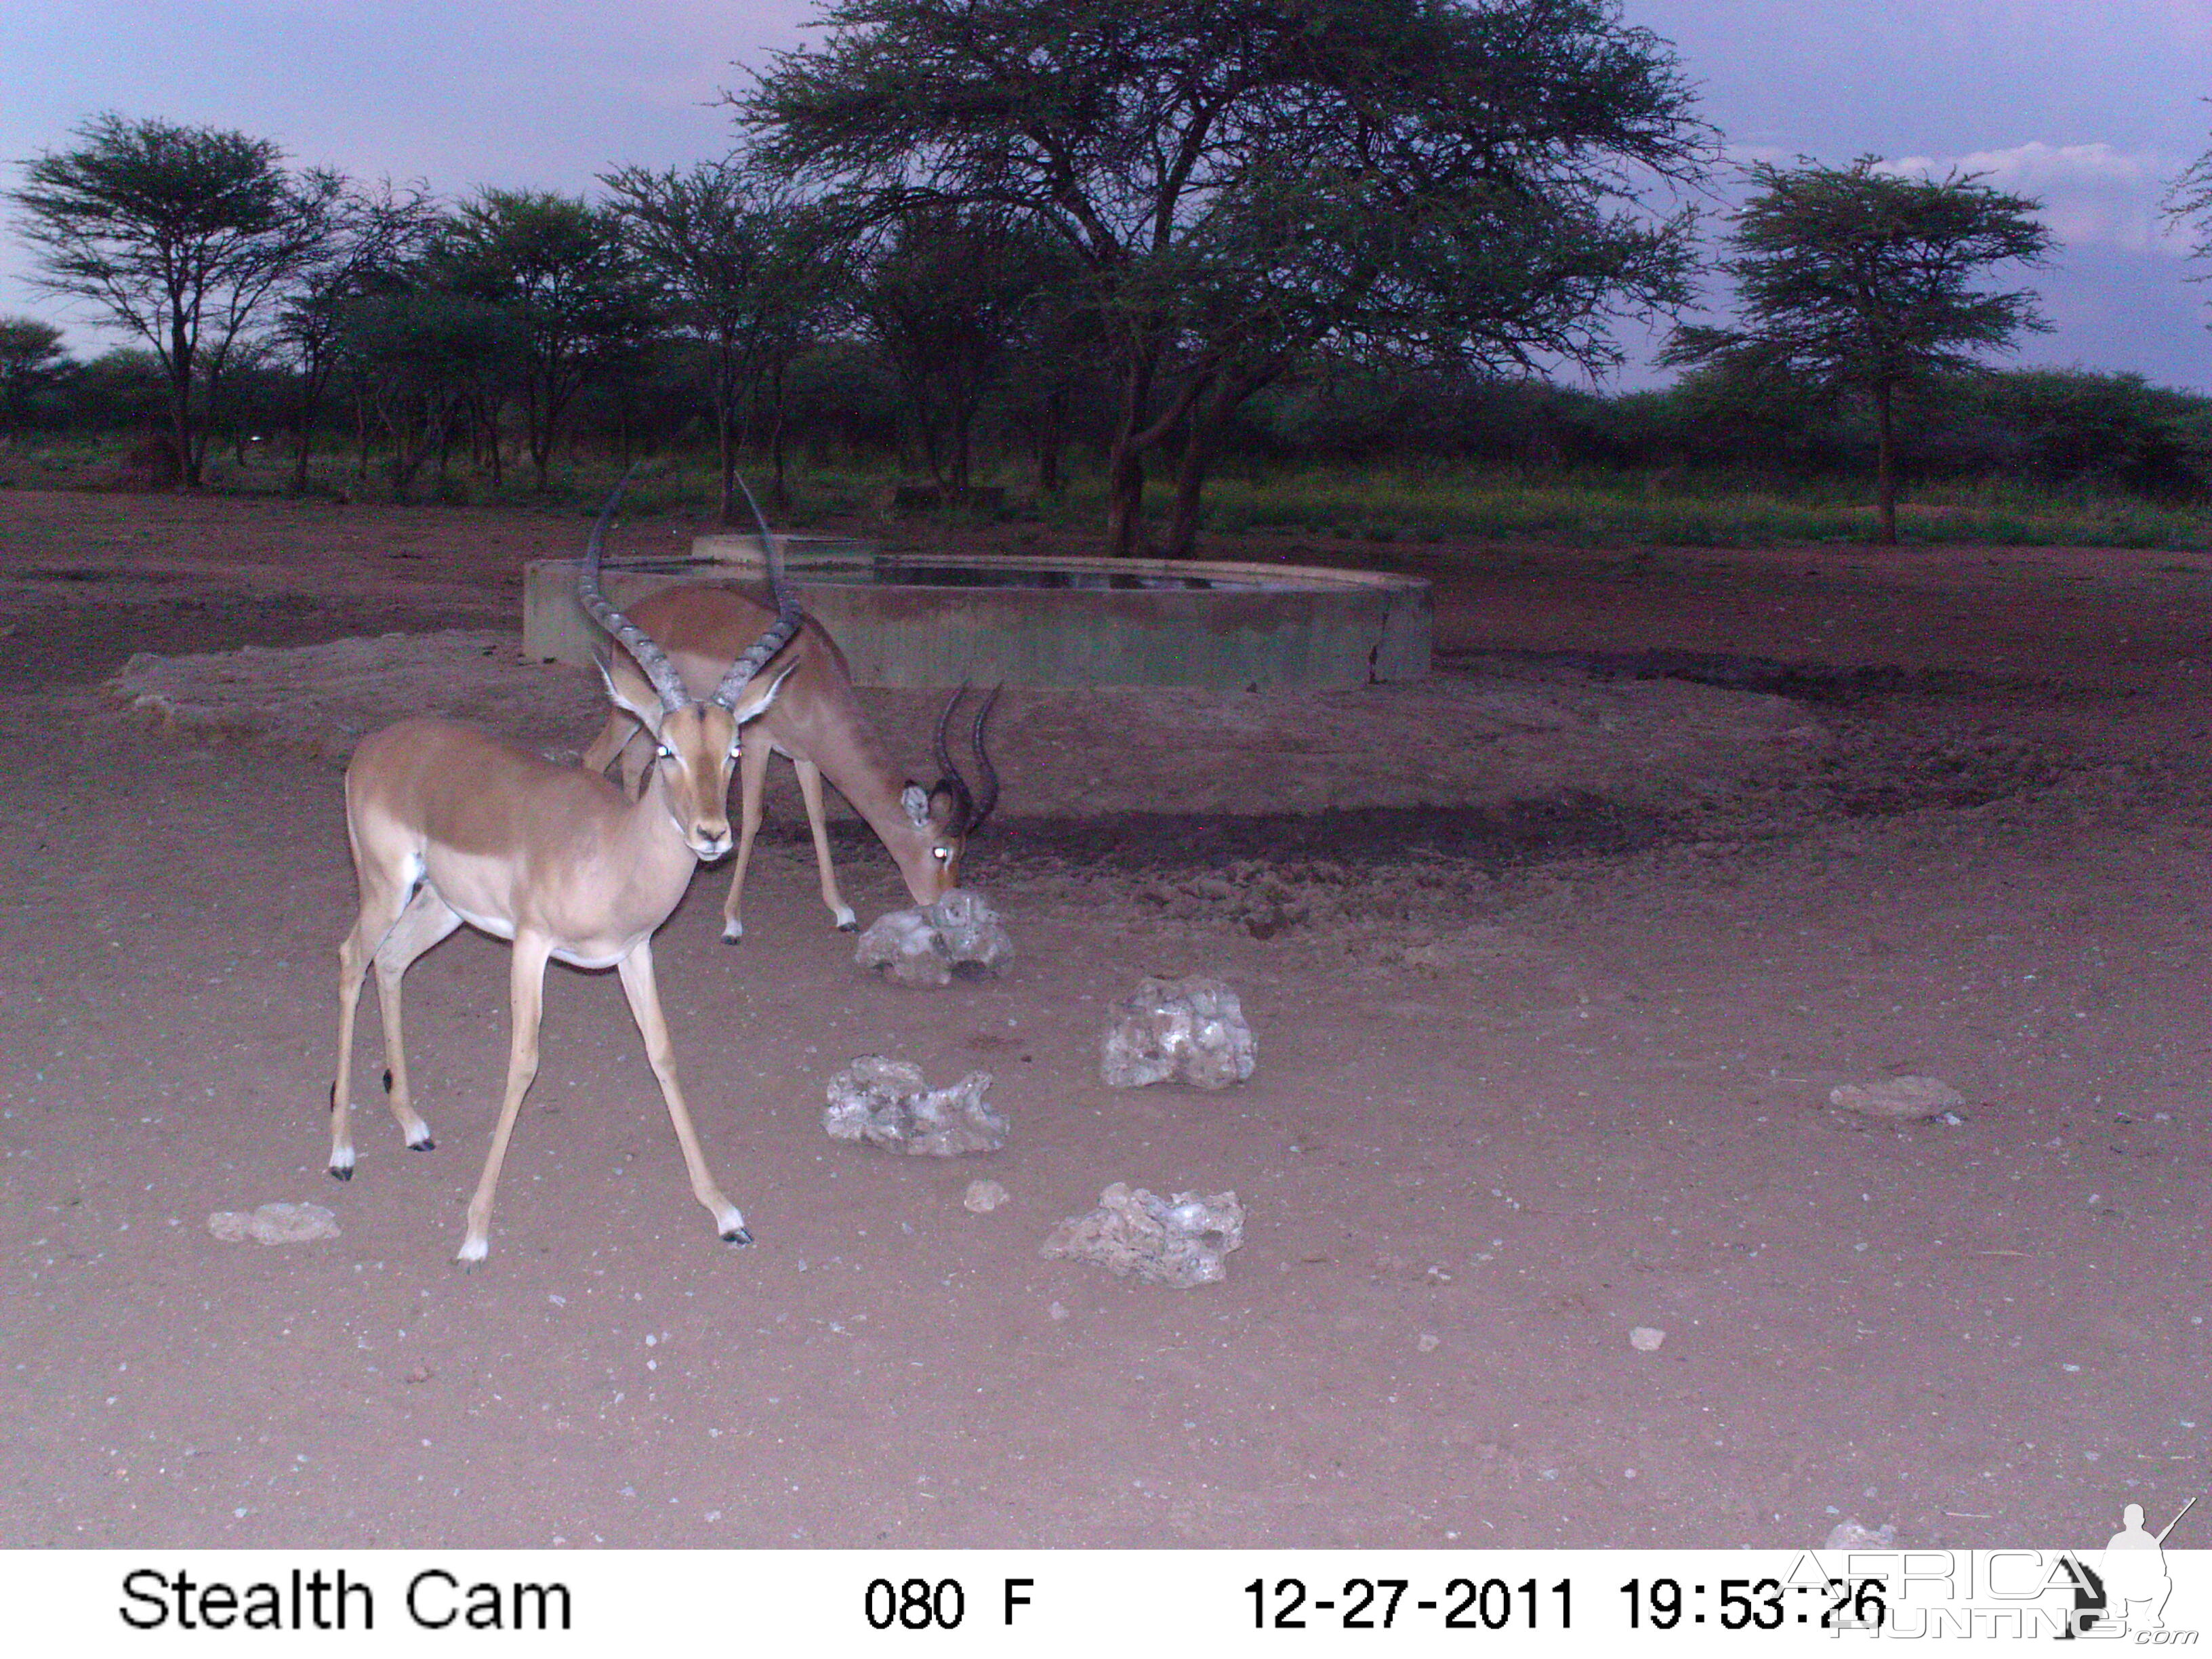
918 619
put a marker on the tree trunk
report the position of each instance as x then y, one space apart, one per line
1190 483
493 407
963 418
1125 497
1047 443
1125 459
776 439
311 398
1885 466
1209 419
180 401
725 453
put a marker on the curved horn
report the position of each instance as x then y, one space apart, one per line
970 811
649 657
987 773
778 634
964 801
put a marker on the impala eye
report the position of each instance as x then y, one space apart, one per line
665 752
940 854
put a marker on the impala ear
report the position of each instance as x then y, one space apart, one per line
753 702
916 800
646 710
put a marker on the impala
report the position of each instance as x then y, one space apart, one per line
450 824
817 724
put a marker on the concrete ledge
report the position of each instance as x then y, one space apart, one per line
937 619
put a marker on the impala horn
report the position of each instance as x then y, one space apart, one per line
634 639
778 634
969 812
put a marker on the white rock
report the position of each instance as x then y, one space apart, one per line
274 1224
1181 1241
982 1197
1646 1339
961 933
903 945
1188 1030
1898 1099
974 936
886 1102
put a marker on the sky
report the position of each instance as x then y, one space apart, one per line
2090 106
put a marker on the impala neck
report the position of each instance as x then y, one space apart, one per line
852 758
651 838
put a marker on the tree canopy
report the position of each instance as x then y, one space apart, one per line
1244 184
179 234
744 272
32 361
1858 281
563 271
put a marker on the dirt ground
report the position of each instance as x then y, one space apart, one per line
1553 962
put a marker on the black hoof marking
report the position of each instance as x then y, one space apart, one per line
425 1144
848 926
345 1174
387 1079
737 1236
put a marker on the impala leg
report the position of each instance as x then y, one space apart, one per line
636 752
810 787
526 992
381 903
752 775
426 920
637 981
613 738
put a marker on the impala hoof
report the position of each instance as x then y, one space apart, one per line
425 1144
733 932
848 926
737 1236
342 1173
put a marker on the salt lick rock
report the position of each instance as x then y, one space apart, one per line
1899 1099
961 933
1181 1241
274 1224
885 1102
1188 1030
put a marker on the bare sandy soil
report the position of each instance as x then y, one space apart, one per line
1553 964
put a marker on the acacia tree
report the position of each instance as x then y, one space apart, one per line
420 357
377 233
32 361
1241 183
182 236
744 272
1865 283
945 294
563 271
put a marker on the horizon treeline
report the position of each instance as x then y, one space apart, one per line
1124 249
841 404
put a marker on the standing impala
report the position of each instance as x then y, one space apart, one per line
817 724
452 823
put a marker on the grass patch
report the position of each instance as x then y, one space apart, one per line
1426 503
1656 510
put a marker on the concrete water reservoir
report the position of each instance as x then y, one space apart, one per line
935 619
